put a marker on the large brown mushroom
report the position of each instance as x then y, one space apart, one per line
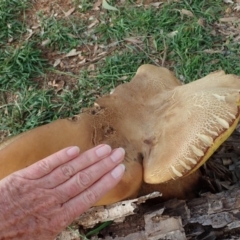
167 129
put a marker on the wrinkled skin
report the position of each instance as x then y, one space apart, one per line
39 201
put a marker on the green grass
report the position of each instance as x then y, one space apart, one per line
18 65
62 34
83 5
11 16
27 103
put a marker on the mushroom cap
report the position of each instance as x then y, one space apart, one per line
174 127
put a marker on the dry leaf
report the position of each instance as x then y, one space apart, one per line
95 49
91 67
172 34
237 7
186 12
228 10
102 53
106 5
57 62
45 42
35 27
6 111
50 83
156 4
69 12
133 40
236 39
73 53
30 33
97 5
228 19
228 1
93 24
211 51
82 62
59 85
201 22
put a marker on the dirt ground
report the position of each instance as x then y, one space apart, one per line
94 53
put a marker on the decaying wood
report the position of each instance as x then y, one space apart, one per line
207 217
68 235
116 212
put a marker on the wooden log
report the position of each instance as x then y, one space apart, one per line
211 216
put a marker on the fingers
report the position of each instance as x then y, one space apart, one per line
87 198
64 172
85 178
46 165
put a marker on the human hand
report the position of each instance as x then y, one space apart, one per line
41 200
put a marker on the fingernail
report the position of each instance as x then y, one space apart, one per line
118 171
103 150
73 151
117 154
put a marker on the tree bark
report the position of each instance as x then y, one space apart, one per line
212 216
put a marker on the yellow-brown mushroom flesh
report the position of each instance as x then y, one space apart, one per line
167 129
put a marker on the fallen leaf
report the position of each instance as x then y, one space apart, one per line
93 24
236 39
97 5
95 49
228 1
57 62
215 61
133 40
228 19
73 53
30 33
211 51
36 27
59 85
91 67
69 12
45 42
156 4
201 22
172 34
102 53
237 7
228 10
106 5
123 78
186 12
6 111
11 40
82 62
